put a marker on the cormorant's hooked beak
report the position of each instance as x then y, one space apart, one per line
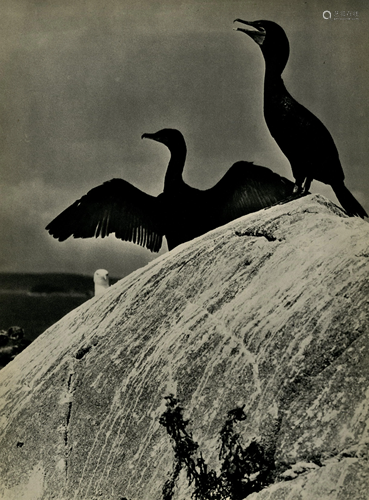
154 137
258 36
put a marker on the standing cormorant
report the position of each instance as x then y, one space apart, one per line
302 137
180 212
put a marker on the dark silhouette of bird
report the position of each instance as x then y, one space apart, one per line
180 212
302 137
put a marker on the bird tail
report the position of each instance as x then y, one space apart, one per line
348 201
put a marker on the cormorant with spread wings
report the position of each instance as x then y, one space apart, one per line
180 212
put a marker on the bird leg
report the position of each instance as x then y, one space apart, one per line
297 188
300 189
306 185
302 186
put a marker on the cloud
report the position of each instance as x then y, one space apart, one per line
81 82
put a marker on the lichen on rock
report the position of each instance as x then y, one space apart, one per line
268 313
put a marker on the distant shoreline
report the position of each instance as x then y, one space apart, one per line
7 291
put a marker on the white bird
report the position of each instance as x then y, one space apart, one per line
101 280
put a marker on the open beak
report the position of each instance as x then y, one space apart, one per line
257 34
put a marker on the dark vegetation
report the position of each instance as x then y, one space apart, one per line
35 302
242 470
35 313
12 342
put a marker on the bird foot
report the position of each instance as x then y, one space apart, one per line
294 196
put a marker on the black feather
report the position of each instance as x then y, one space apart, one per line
180 213
302 137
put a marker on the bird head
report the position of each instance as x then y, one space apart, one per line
271 39
169 136
101 281
101 276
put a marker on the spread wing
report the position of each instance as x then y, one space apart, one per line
114 207
247 188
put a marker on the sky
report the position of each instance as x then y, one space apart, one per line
82 80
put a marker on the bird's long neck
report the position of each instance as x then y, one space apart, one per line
273 83
275 61
173 176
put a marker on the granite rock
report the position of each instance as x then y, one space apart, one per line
269 311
